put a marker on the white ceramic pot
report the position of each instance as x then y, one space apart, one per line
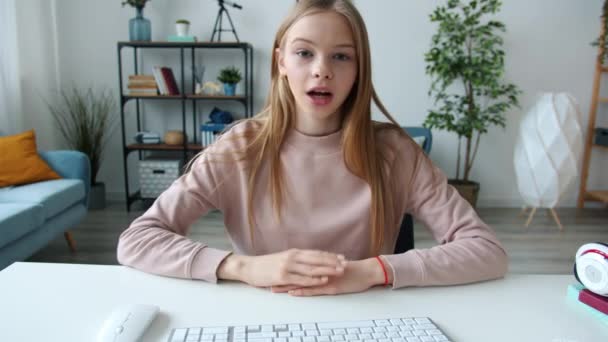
182 29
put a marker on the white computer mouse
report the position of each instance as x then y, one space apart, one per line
127 323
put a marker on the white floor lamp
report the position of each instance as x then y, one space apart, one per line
547 152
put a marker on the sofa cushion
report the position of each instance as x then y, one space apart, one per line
20 161
18 219
54 195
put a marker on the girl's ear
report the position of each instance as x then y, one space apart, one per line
280 61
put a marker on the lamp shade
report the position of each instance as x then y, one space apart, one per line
548 149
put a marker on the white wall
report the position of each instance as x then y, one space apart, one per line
547 45
38 67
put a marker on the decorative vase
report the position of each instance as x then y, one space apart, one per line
229 89
140 27
174 138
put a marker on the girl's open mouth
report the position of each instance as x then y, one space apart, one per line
320 98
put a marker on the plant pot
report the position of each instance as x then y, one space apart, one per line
229 89
182 29
97 196
467 189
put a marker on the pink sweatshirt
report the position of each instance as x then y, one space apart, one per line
325 207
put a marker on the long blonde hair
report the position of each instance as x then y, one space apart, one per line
362 154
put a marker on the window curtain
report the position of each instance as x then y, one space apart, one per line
10 95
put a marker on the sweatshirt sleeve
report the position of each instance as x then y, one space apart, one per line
156 242
468 250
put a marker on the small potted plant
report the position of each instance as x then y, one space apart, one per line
182 26
230 76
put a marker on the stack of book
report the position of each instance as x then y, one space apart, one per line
593 303
165 80
142 85
210 132
187 39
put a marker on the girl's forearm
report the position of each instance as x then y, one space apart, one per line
232 267
376 274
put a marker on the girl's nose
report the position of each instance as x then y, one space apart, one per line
322 70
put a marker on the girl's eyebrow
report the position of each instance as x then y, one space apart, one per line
345 45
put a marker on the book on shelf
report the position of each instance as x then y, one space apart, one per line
144 90
142 85
187 39
159 80
165 80
162 78
170 82
141 78
213 127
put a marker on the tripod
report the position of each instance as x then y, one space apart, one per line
218 20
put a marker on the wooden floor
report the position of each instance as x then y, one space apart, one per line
540 248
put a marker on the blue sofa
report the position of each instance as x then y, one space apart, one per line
31 215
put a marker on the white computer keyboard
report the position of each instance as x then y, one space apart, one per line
419 329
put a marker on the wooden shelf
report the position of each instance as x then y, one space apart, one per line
154 97
217 97
166 44
596 100
599 196
164 147
188 97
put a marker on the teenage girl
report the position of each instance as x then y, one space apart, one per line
311 189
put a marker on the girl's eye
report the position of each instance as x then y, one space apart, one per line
342 57
304 53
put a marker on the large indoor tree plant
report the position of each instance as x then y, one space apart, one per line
86 118
466 65
603 38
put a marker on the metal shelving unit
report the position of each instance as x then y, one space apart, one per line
188 148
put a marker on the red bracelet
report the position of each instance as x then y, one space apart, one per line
383 270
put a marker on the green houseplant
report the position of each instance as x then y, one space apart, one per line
230 76
86 119
603 38
466 65
135 3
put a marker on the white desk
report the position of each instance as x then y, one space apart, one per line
65 302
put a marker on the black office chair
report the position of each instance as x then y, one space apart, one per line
405 239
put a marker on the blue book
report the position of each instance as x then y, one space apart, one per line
572 294
186 39
213 127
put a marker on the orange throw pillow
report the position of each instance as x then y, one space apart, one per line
20 162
